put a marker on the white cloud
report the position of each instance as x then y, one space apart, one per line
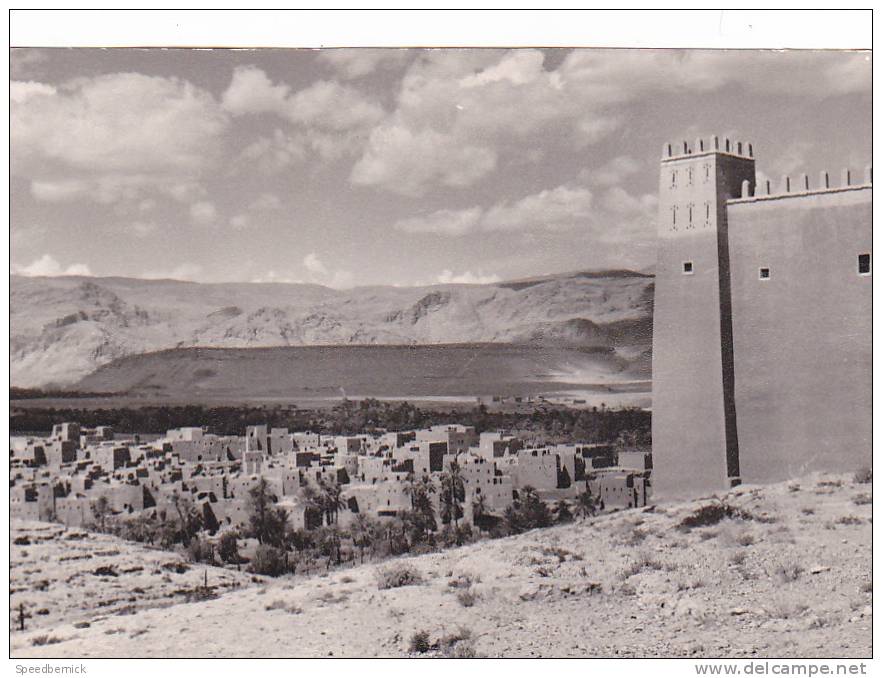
559 208
113 137
613 172
142 229
465 111
467 278
273 277
613 215
351 64
58 191
251 91
203 212
47 265
314 265
21 91
325 104
240 221
408 162
447 222
187 271
266 202
323 275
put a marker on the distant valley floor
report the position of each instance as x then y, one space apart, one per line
441 373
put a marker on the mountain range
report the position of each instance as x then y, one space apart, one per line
65 328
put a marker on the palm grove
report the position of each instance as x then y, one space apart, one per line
324 543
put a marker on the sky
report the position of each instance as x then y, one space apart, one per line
351 167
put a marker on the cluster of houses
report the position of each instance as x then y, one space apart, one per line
61 477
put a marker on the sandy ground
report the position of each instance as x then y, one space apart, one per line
793 580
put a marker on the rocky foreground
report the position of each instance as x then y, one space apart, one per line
775 571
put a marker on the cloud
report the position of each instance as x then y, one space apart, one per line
251 91
350 64
20 92
273 277
59 191
613 172
240 221
467 278
321 274
610 214
203 212
314 265
142 229
47 265
325 104
447 222
266 202
460 114
113 137
408 162
559 208
187 271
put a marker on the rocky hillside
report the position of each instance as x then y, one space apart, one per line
64 328
786 574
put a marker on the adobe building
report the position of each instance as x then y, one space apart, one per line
762 351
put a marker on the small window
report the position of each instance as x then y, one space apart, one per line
687 268
765 274
864 264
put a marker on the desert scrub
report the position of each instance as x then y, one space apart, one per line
849 520
738 558
458 645
642 562
419 643
400 574
464 581
467 597
711 514
44 640
862 499
788 573
863 476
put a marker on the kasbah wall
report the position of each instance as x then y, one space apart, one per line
762 341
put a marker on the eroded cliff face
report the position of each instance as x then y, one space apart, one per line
64 328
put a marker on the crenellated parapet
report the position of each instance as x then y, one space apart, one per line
802 185
714 144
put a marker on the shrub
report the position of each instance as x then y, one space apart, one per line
400 574
228 548
458 645
863 476
44 640
467 597
711 514
464 581
788 573
200 551
419 643
848 520
862 499
268 561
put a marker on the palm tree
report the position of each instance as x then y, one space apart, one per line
452 494
586 503
332 498
100 510
422 513
364 532
479 509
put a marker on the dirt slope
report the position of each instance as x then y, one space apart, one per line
792 580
